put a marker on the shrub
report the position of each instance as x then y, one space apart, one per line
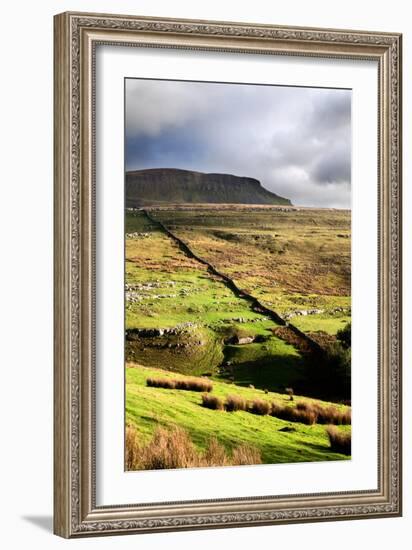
259 406
212 402
329 372
235 403
340 442
344 335
336 370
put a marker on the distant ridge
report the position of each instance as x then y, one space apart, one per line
172 185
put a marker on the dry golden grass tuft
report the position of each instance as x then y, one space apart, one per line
194 384
259 406
174 449
293 414
244 455
333 415
189 384
166 450
304 411
212 402
340 442
215 454
166 383
132 457
311 413
235 403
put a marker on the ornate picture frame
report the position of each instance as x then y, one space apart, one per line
76 511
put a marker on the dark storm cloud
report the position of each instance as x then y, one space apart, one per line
333 167
333 113
296 141
165 150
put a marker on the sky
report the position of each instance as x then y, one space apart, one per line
296 141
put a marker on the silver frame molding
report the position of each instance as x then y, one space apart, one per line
76 36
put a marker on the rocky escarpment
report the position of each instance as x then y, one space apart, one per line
170 185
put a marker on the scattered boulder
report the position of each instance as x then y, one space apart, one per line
245 340
236 339
137 235
302 312
136 333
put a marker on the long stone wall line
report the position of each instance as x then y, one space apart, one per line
256 305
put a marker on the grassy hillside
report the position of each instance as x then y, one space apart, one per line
170 290
148 408
183 318
296 261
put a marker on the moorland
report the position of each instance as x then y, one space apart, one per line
237 336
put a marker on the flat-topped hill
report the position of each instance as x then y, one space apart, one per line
172 185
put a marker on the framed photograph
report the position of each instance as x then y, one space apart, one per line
227 274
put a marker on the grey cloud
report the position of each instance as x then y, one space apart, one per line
333 112
296 141
333 167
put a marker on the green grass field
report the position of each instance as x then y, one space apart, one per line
147 408
326 323
187 320
173 289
